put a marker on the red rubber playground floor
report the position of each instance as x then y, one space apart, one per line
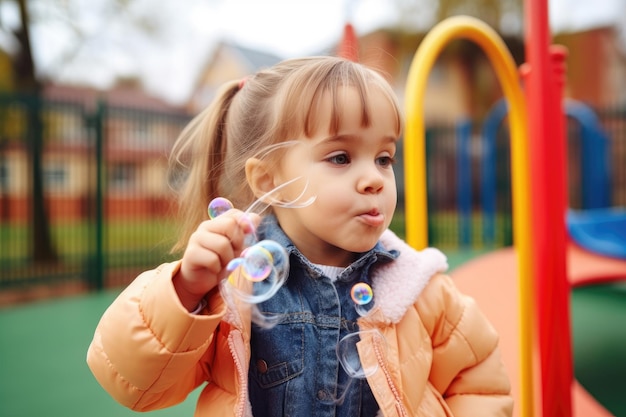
43 347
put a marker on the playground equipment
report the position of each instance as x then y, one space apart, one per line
602 231
595 167
541 244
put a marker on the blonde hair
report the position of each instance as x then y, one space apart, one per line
244 120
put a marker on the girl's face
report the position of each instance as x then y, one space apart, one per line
349 174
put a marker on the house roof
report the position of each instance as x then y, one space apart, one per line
121 96
254 58
227 61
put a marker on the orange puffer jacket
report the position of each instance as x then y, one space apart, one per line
438 355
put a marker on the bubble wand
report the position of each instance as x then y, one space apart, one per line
263 266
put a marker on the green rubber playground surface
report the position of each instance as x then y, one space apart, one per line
43 347
43 371
599 343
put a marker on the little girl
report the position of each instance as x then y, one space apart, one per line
322 130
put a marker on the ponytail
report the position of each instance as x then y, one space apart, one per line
199 152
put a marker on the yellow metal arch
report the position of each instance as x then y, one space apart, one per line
415 163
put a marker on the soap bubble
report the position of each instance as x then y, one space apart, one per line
361 293
265 265
218 206
348 354
351 348
257 264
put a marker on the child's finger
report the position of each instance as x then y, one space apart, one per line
212 251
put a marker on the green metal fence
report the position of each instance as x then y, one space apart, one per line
448 183
84 196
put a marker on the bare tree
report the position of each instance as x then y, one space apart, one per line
491 12
26 80
425 13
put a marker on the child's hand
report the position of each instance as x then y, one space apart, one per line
211 247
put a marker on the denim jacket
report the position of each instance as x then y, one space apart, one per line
294 365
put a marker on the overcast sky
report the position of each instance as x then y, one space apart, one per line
169 60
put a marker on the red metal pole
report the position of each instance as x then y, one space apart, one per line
544 87
349 44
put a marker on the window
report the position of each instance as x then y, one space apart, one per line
122 176
55 176
4 174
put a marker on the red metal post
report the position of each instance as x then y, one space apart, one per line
544 88
349 44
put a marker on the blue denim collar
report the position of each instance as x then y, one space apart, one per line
270 229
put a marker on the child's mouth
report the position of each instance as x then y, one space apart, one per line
373 218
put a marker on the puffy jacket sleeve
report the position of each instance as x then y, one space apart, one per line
466 366
148 352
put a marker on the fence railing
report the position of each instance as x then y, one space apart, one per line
85 201
84 193
469 194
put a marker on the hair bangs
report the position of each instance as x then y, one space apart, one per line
341 76
303 101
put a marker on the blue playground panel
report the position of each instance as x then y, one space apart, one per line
602 231
596 182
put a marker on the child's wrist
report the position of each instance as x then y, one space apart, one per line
190 302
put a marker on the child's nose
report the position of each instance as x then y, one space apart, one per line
371 180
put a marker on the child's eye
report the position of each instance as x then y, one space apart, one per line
339 159
386 161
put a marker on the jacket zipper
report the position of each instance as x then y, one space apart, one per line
383 365
240 412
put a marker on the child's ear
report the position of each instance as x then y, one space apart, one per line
259 177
